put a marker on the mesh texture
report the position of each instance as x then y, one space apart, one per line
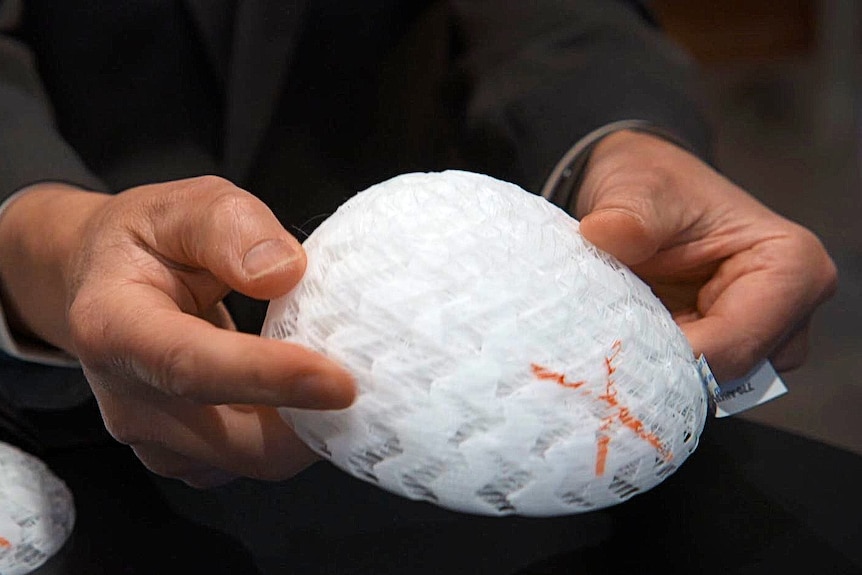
505 365
36 512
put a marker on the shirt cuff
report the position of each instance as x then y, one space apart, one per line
561 187
29 351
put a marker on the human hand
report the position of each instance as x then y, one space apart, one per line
740 280
132 285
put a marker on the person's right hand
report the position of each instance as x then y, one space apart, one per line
132 286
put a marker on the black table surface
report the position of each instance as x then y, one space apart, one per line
752 499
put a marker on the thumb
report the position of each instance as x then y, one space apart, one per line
633 201
628 223
622 234
213 225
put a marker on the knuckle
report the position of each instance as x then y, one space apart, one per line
793 353
830 277
87 329
789 362
161 199
225 215
124 430
174 375
269 472
816 256
227 206
210 182
166 467
165 462
96 341
277 468
128 421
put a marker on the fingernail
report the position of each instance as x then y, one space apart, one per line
268 256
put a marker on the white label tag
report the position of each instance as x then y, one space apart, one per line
760 385
707 377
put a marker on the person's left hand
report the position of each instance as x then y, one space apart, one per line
740 280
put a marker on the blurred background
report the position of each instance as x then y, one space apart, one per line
783 83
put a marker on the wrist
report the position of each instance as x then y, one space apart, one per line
40 230
563 185
633 160
634 141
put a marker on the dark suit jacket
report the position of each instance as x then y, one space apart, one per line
305 102
104 92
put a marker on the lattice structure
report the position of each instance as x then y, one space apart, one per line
505 365
36 512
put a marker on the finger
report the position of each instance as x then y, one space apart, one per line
621 234
793 352
185 440
739 326
168 463
211 224
219 316
146 337
632 222
732 351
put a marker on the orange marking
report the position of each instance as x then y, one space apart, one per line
609 397
546 374
602 454
5 542
636 425
610 394
609 360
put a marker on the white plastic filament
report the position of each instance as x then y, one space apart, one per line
36 512
505 365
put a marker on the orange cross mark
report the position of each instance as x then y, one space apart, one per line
619 413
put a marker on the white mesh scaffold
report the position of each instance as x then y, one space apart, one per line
36 512
505 365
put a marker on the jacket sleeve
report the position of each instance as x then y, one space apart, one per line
31 148
541 75
31 151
